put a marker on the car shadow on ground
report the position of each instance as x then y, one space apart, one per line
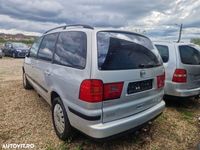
177 102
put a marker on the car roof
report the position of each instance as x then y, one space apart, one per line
95 29
172 42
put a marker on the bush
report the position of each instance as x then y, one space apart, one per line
196 41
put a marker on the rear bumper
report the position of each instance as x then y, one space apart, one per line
104 130
187 92
173 89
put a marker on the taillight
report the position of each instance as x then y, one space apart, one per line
112 90
161 81
93 90
180 76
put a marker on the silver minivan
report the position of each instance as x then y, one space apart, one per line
182 64
99 81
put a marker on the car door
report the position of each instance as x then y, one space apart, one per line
44 62
31 60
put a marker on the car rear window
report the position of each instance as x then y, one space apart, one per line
164 52
189 55
122 51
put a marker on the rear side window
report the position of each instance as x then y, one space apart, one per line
120 51
164 52
71 49
189 55
35 47
47 47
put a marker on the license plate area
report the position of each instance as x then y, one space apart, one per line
135 87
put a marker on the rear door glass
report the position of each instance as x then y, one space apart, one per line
122 51
71 49
164 52
189 55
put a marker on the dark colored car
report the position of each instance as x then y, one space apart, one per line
15 49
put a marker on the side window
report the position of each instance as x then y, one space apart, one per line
47 47
35 47
71 49
189 55
164 52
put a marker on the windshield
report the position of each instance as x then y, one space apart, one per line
122 50
20 45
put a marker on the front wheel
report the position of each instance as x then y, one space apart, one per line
61 122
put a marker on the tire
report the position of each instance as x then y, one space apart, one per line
26 83
14 55
60 119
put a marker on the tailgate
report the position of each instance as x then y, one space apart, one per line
138 94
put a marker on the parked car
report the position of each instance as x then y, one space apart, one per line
15 49
99 81
1 53
182 64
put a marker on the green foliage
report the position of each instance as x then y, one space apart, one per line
196 41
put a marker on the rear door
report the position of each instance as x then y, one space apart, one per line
189 56
132 60
44 61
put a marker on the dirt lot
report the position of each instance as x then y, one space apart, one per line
26 118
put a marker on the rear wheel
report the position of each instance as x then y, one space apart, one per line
26 83
61 122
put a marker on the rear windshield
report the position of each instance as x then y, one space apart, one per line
121 50
164 52
189 55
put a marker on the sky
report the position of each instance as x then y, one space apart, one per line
158 19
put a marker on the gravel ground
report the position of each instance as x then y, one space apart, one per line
26 118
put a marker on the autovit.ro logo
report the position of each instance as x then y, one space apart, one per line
18 146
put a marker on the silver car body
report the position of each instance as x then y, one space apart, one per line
192 86
115 116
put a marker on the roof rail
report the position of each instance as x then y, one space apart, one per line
73 25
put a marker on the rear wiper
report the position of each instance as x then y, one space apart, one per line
146 65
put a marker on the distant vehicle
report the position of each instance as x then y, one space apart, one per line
182 64
99 81
1 53
15 49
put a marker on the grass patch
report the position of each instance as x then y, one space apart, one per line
161 118
186 114
196 41
62 146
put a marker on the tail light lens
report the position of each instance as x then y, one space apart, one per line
161 81
180 76
93 90
112 90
